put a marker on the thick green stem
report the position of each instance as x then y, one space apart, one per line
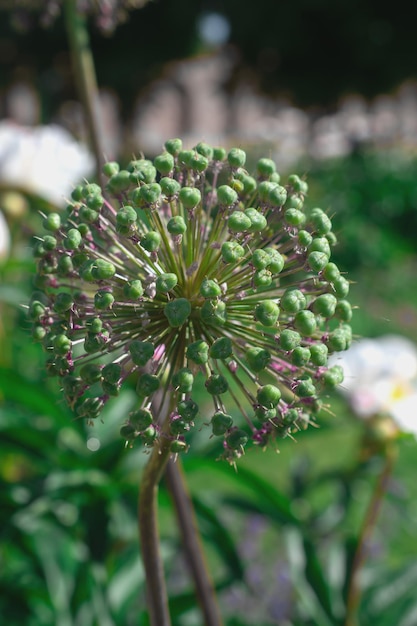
192 543
149 535
368 526
83 67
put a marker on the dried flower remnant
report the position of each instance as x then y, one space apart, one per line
195 275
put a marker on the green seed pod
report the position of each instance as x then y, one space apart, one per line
199 163
86 270
90 373
49 243
176 225
257 358
267 313
140 419
177 446
305 322
164 163
166 282
221 423
126 219
262 279
128 432
119 182
265 167
112 372
260 259
133 290
213 312
268 396
317 261
319 353
62 345
333 376
38 333
210 288
150 194
183 380
290 416
219 154
103 300
198 352
89 407
110 169
216 384
173 146
102 270
293 300
276 262
264 189
289 339
295 218
248 182
52 222
221 348
341 286
110 389
65 265
232 251
149 435
63 302
320 221
73 240
304 238
264 415
325 305
147 385
190 197
72 385
344 311
305 388
276 195
188 410
294 202
94 201
298 185
338 340
94 325
236 157
141 352
151 241
238 222
237 185
204 149
237 439
177 311
77 193
320 244
331 272
185 157
258 221
170 187
178 427
300 356
226 196
95 342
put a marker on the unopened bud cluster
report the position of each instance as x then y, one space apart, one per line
199 283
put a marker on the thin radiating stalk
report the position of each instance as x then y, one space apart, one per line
192 543
85 76
368 526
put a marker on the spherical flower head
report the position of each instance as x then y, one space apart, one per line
188 278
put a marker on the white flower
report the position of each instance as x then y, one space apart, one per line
44 160
381 377
4 237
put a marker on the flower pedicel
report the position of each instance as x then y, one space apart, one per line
190 274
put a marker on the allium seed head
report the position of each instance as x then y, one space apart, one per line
190 277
